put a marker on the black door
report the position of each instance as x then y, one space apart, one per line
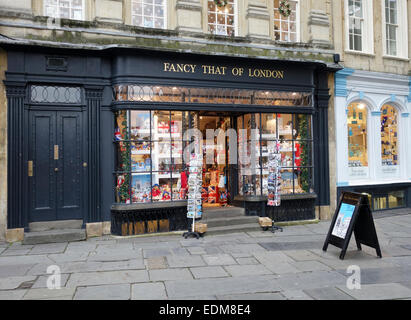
56 159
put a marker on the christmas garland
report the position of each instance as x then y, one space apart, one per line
221 3
284 8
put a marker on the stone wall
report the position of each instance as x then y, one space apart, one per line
3 147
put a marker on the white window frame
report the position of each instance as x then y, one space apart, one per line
165 8
367 36
297 21
402 30
58 16
235 25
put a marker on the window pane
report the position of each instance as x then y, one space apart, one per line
141 188
140 157
140 125
268 126
303 180
389 136
161 190
287 180
357 135
161 125
221 20
396 199
285 126
122 188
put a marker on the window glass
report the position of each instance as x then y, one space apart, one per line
65 9
222 19
355 24
149 13
294 134
357 135
389 135
391 26
285 28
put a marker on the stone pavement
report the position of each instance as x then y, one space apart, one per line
254 265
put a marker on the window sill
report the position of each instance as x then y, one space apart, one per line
395 58
360 53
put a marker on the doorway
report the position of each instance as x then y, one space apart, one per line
56 170
216 164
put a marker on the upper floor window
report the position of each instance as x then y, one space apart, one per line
359 23
149 13
286 21
395 27
222 20
64 9
356 24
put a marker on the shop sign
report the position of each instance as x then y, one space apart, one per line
207 69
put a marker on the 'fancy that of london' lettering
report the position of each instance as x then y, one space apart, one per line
222 70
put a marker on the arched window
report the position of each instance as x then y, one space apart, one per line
357 134
389 135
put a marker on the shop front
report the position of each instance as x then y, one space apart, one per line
373 145
106 137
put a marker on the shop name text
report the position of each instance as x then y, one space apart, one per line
222 70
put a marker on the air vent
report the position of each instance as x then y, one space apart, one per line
56 63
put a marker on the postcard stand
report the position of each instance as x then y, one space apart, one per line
274 180
194 205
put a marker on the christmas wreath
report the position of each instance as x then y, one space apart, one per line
284 8
220 3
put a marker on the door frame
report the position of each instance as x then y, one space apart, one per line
54 107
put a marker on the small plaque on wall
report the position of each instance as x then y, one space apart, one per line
56 63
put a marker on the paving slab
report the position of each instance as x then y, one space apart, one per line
12 294
209 272
196 250
28 259
14 270
48 248
148 291
103 292
244 270
10 283
328 294
246 260
44 293
311 280
219 259
383 275
156 263
242 248
69 257
222 286
310 266
385 291
170 274
14 252
41 281
296 295
114 255
253 296
107 277
185 261
301 255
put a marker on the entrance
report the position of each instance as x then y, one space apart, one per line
216 177
55 166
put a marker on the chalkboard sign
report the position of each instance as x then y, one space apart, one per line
353 214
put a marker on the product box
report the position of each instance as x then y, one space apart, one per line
200 227
265 221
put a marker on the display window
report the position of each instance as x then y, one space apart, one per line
357 134
295 139
149 164
389 135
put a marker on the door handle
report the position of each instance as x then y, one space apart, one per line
56 169
30 168
56 152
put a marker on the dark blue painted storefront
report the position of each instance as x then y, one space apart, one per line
93 156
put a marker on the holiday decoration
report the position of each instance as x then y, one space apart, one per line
284 8
221 3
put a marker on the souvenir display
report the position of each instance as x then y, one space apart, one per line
194 207
274 176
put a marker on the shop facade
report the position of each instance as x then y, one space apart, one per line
372 114
100 136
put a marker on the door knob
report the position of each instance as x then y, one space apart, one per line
56 169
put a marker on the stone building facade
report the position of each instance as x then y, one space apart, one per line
247 31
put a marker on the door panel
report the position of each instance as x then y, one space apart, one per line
42 186
69 165
56 187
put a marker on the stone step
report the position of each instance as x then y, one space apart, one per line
55 225
223 212
233 229
54 236
228 221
